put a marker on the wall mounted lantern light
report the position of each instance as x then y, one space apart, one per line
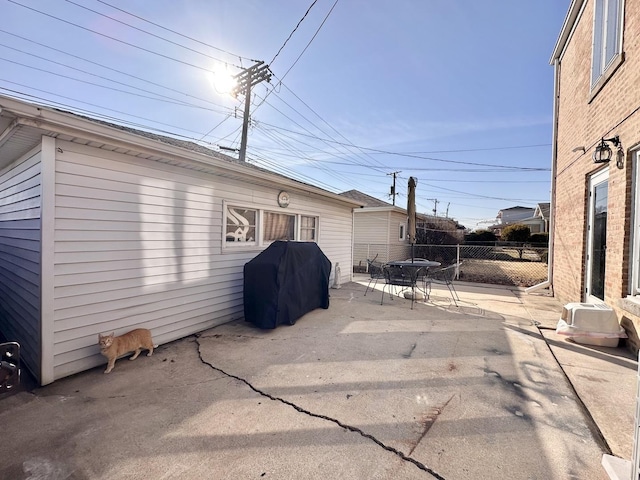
602 153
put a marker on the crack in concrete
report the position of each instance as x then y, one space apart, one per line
350 428
429 420
410 352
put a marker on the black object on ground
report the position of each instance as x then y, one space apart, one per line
285 281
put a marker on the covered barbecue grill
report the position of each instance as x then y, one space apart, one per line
285 281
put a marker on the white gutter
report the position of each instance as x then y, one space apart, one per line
554 160
567 28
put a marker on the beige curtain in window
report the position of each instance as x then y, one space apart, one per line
278 227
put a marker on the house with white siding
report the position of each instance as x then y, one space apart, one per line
105 228
379 230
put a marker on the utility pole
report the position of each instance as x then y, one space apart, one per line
245 80
446 215
435 205
393 188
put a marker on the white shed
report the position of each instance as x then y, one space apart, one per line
105 228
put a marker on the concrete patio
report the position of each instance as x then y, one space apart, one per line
485 390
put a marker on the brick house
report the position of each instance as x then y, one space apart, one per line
595 240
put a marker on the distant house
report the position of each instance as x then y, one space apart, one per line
542 212
535 218
595 241
380 229
106 228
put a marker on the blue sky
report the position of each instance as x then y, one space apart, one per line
457 93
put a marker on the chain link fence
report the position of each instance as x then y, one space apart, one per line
502 263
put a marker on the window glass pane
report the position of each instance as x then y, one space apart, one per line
278 226
613 26
308 229
599 248
241 225
598 30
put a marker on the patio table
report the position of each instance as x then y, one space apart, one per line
413 268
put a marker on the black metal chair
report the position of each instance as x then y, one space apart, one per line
444 276
396 276
375 274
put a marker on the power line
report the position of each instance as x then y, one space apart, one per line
326 123
95 115
175 32
98 106
106 67
110 37
311 135
171 100
148 33
408 155
478 195
381 169
301 53
294 31
483 149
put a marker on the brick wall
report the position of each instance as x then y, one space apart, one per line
583 119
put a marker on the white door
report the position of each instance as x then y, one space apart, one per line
597 237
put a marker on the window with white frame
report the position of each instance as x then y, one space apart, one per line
402 233
607 37
246 226
308 228
241 225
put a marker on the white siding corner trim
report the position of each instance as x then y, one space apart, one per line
47 257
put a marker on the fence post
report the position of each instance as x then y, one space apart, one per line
458 262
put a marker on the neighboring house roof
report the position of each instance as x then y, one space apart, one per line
515 208
366 200
543 210
22 125
373 204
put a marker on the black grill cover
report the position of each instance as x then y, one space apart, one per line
285 281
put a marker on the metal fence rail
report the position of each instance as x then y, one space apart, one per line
501 263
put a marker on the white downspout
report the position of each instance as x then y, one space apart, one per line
548 283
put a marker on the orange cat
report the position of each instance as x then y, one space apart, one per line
113 347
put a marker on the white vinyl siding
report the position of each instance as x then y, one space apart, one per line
138 244
377 236
399 248
20 190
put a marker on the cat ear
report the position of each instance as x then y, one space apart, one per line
99 336
112 334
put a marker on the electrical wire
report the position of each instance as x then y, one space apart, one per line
294 31
107 68
99 106
149 33
177 33
311 135
302 53
110 37
171 101
325 122
93 115
210 131
401 154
